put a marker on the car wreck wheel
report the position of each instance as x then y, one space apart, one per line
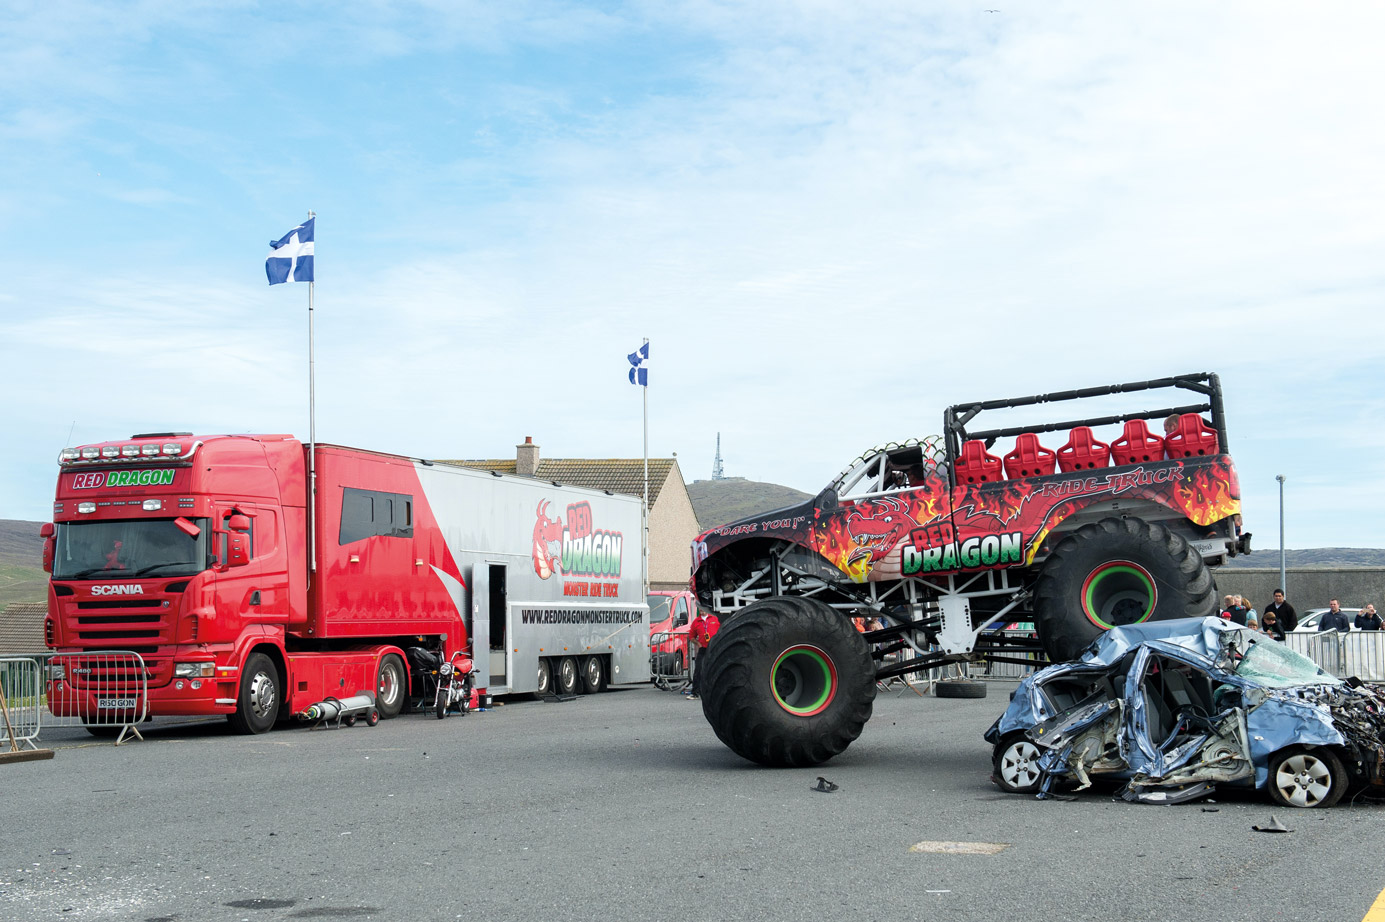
788 682
1016 763
1307 778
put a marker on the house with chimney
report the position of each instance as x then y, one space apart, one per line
672 522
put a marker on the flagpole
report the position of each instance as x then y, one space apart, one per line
645 509
312 434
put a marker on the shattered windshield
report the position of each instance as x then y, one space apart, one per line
126 549
1276 666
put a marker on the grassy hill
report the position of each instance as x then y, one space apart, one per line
21 576
717 502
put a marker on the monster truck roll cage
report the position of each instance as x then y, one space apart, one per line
955 418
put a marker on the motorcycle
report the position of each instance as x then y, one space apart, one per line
454 684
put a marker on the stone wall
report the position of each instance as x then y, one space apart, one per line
1309 587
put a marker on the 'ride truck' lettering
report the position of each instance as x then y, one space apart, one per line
987 551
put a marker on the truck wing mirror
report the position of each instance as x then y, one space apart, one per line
237 549
46 533
238 522
187 527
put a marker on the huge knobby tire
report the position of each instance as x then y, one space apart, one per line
788 682
1112 573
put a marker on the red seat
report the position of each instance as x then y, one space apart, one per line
976 464
1192 439
1137 445
1029 459
1083 452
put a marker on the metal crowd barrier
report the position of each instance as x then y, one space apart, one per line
668 667
107 691
1010 672
1356 653
22 679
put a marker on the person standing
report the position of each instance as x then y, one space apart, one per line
1233 611
1334 619
700 634
1284 612
1367 619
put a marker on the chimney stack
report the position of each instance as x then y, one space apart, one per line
527 458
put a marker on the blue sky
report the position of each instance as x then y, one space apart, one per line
832 220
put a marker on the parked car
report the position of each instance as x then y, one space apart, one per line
1308 621
670 613
1175 708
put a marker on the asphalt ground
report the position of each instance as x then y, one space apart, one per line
624 806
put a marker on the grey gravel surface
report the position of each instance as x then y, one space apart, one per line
624 806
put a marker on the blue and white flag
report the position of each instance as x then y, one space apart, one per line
291 256
639 361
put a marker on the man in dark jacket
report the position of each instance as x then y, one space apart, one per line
1367 619
1334 619
1283 612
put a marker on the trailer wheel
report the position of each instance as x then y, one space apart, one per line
545 683
372 717
257 704
788 682
1115 572
390 683
565 682
593 675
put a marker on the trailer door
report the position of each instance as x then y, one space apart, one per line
488 627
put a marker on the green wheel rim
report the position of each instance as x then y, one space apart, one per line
803 680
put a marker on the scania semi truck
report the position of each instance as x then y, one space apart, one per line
203 555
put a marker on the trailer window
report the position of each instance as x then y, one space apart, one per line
371 513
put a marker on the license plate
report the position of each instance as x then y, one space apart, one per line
116 703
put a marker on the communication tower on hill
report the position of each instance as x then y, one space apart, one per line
717 473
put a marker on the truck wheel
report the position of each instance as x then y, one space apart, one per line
593 675
257 705
1016 764
958 688
788 682
1115 572
545 684
567 677
389 686
1307 778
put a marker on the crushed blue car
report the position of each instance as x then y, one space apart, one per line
1176 708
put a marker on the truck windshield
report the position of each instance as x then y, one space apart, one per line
658 607
123 549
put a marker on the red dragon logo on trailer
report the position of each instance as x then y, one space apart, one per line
548 542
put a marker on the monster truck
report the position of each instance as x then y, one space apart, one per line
941 538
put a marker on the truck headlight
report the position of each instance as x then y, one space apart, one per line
194 670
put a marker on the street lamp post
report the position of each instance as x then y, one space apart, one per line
1282 570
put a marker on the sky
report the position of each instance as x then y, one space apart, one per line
831 220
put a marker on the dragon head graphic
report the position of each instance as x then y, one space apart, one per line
548 542
876 529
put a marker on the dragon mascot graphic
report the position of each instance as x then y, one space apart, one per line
548 543
876 531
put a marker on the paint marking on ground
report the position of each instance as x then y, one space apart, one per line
978 848
1377 911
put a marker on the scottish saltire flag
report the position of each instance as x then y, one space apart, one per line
639 361
291 256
